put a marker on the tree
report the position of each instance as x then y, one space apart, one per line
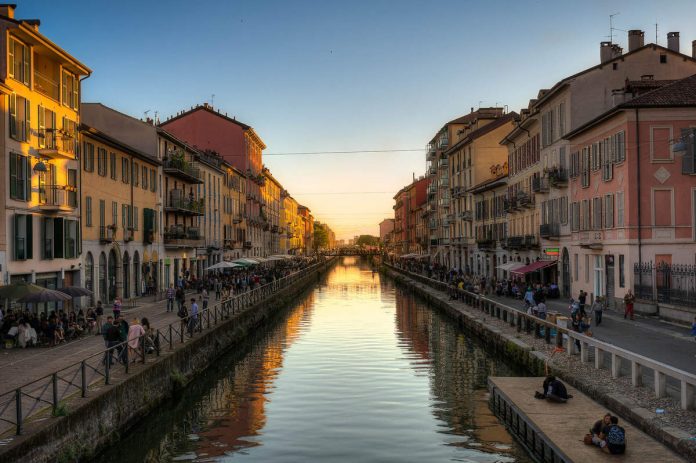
321 236
367 240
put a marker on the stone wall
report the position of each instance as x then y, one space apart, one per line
99 420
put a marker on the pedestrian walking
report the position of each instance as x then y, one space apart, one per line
582 300
629 299
179 295
112 337
99 313
205 297
117 307
135 333
598 309
193 318
171 292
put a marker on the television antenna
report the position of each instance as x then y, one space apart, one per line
611 26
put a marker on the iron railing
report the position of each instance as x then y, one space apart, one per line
673 284
111 365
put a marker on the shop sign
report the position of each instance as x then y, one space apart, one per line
552 252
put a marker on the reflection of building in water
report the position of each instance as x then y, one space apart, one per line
459 368
234 409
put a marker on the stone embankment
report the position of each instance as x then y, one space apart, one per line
90 424
674 427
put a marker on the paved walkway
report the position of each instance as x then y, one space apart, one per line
647 336
20 366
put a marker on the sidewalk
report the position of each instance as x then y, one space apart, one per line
646 336
20 366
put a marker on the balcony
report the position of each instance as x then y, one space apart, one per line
55 198
540 185
531 241
178 236
443 182
510 204
515 242
247 245
182 169
228 243
433 241
180 203
432 189
128 234
485 242
442 163
237 219
557 177
443 143
432 224
444 202
107 234
431 154
466 215
57 144
47 85
550 230
525 200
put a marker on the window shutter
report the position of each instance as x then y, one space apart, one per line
13 115
689 158
26 176
13 175
40 119
11 53
27 64
27 120
29 236
76 89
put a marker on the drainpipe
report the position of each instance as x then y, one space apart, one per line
640 241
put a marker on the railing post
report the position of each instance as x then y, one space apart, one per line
584 351
598 357
636 374
615 366
83 371
18 409
660 380
687 395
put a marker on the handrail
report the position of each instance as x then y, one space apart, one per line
687 386
100 365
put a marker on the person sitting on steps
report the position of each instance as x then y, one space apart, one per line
554 391
612 439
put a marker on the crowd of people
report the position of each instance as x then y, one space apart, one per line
25 328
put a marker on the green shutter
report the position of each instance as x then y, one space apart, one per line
77 238
27 177
41 121
13 115
15 232
27 65
27 120
13 175
30 236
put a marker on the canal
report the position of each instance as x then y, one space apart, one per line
358 370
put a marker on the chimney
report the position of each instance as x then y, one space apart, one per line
618 96
7 10
693 49
34 23
636 39
605 52
673 41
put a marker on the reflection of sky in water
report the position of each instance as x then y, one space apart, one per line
357 371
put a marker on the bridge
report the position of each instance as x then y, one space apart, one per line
352 251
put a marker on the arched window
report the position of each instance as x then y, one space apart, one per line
89 275
136 273
102 279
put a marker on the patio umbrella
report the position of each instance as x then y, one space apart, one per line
19 289
75 291
222 265
245 261
47 295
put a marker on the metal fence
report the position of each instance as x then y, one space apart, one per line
113 364
665 283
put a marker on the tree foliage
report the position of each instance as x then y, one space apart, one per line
367 240
321 236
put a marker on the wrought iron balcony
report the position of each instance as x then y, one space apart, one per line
178 236
107 234
515 242
185 204
182 169
442 163
550 230
557 177
540 184
466 215
531 241
485 242
57 198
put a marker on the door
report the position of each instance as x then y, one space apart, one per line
565 268
112 275
609 272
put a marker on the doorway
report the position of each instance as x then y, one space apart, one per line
609 272
565 268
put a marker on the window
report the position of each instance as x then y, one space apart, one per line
596 213
662 208
585 173
561 119
153 180
598 276
661 144
20 61
124 170
23 237
72 187
135 218
112 165
89 157
101 162
144 178
136 174
47 128
52 238
607 162
20 118
88 206
622 273
609 211
70 90
620 209
114 213
577 267
595 147
587 268
102 213
69 136
20 177
614 66
564 209
663 58
124 215
71 238
620 153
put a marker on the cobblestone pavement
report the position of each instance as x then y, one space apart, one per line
648 336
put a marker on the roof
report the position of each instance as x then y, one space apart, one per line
208 108
489 184
114 143
472 116
562 83
478 133
533 267
681 93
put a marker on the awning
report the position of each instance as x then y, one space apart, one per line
534 266
510 266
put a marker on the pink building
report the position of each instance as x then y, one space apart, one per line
386 230
408 202
632 203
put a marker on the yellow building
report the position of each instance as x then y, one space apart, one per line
213 172
234 214
270 214
40 239
292 239
119 219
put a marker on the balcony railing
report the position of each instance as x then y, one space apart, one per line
432 189
107 234
47 86
57 198
58 144
47 138
557 177
485 242
531 241
182 237
182 169
444 202
550 230
432 224
540 185
443 182
180 202
510 204
515 242
442 163
247 245
524 199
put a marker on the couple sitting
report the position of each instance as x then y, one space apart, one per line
554 391
608 435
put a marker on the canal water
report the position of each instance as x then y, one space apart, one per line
358 370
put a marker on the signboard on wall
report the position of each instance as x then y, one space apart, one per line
552 252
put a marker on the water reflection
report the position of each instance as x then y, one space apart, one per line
357 371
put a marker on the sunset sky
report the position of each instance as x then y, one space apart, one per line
314 76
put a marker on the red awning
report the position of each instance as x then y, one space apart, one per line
533 267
